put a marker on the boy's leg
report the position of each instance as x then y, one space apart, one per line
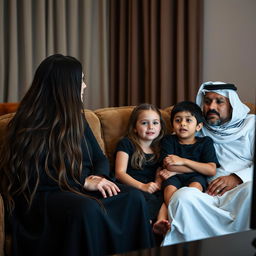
168 192
196 184
162 225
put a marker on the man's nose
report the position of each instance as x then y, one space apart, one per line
212 105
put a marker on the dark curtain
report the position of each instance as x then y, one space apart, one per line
155 51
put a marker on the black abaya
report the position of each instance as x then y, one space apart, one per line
65 223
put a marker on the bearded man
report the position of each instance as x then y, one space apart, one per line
225 207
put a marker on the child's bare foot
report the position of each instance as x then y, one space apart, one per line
161 227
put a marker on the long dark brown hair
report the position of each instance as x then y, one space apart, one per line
138 158
46 131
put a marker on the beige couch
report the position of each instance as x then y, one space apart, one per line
108 126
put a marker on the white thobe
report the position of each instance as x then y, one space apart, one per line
197 215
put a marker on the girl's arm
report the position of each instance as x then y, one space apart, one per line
208 169
120 173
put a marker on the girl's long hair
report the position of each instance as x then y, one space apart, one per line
138 159
46 132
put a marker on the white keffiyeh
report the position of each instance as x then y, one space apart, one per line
238 124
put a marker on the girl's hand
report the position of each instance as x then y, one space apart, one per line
97 183
150 187
165 174
173 160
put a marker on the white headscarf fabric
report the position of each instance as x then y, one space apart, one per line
232 129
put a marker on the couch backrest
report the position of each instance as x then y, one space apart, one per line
90 116
8 107
108 124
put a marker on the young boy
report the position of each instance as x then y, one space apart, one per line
187 159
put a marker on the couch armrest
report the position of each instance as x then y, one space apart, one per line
2 236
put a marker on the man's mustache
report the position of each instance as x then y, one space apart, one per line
212 111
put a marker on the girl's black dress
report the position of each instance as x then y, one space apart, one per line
146 175
64 223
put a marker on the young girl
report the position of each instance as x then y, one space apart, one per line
137 155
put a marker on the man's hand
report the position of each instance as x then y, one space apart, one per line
223 184
97 183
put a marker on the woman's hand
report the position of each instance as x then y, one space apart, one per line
97 183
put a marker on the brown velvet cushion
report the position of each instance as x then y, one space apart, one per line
3 123
95 125
252 107
114 122
8 107
4 120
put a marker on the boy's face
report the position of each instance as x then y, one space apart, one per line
185 126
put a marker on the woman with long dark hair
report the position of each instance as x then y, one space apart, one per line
54 175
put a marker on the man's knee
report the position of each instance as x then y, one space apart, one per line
184 195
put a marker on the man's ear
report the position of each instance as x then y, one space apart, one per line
199 127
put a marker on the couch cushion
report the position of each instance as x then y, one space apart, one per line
4 120
252 107
8 107
114 122
95 125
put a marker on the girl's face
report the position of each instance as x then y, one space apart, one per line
148 125
185 126
83 86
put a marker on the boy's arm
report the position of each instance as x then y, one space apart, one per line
208 169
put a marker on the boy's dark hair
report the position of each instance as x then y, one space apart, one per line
190 107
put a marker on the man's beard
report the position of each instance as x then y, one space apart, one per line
213 121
